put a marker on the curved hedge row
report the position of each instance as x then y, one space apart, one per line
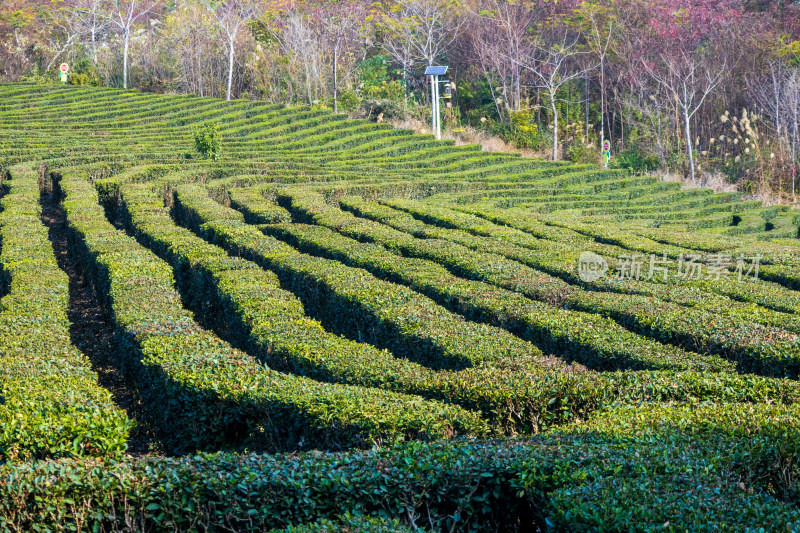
596 342
756 348
52 405
660 468
353 301
249 305
768 295
213 395
725 458
518 401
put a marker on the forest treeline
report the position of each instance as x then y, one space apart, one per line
698 88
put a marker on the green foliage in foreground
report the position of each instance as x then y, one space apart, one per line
662 468
51 404
410 248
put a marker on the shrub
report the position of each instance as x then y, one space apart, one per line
208 140
349 100
52 404
635 161
214 396
383 109
524 131
711 468
581 153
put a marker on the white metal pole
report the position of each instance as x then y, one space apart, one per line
438 112
433 105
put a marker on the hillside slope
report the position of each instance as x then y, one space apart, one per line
336 318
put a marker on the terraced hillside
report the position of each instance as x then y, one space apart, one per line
338 325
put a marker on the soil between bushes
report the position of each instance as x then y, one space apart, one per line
92 332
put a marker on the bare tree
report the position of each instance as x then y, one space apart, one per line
231 16
653 115
93 17
342 29
402 53
419 31
192 36
599 35
65 27
499 37
124 14
688 78
792 91
554 63
299 37
778 97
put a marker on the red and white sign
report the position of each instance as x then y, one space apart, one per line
64 67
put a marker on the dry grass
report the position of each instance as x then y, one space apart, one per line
718 182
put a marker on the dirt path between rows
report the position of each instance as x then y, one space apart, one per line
92 332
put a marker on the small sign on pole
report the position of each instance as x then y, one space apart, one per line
606 153
64 73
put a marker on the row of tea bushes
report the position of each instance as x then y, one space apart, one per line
149 115
662 468
780 252
203 393
490 267
771 291
261 212
640 202
612 236
594 341
660 298
514 402
349 523
765 349
511 226
352 301
52 404
769 295
249 305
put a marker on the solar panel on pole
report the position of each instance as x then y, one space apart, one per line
436 120
436 71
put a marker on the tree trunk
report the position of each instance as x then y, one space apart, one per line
94 44
689 150
126 39
335 80
308 82
230 68
795 144
586 83
555 124
58 54
602 104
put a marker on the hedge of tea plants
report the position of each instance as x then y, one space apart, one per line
337 325
52 404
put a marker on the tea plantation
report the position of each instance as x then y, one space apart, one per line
335 325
